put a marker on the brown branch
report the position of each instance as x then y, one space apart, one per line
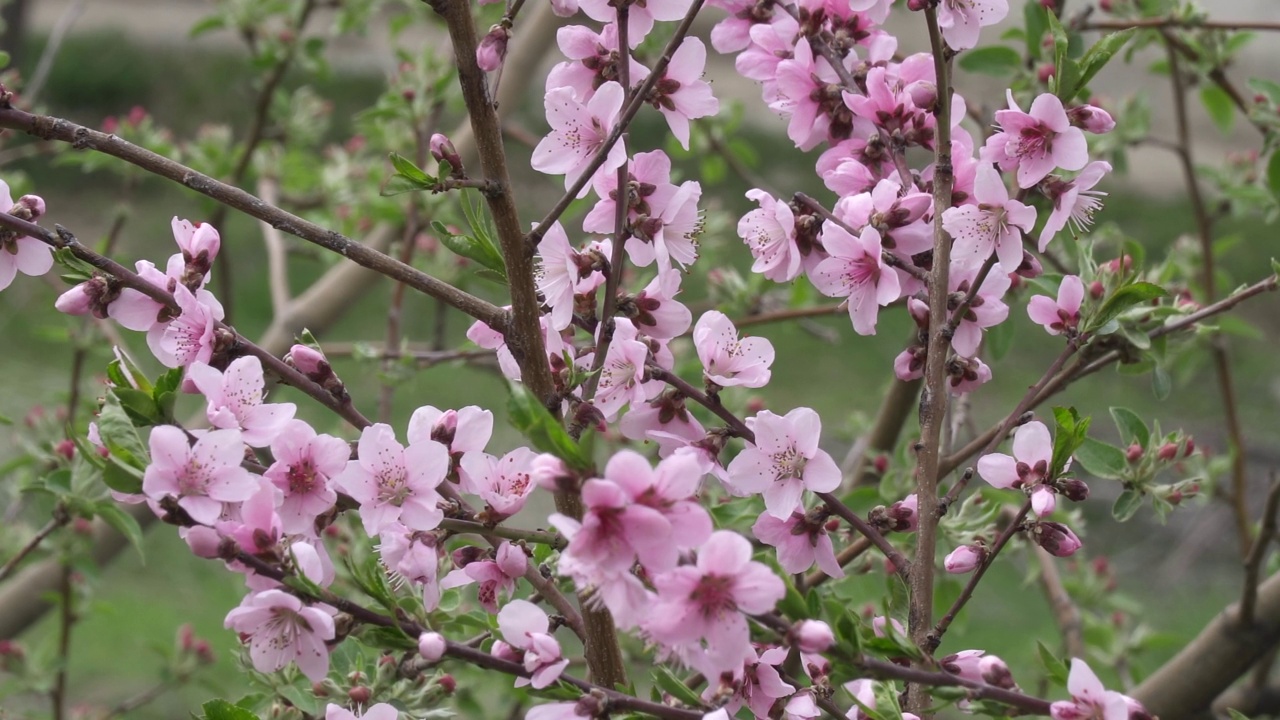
1181 23
1253 562
1218 76
1065 612
899 561
66 619
60 517
541 537
977 690
1217 344
82 138
788 314
888 257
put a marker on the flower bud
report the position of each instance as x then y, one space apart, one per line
1030 268
1168 452
1044 500
1134 453
1045 71
1190 447
503 651
1097 290
924 94
359 694
431 645
308 361
994 671
814 636
1092 118
443 151
964 664
550 473
66 449
904 514
1056 538
447 683
493 48
564 8
1075 489
28 207
917 5
963 559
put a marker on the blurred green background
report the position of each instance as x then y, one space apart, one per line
1178 575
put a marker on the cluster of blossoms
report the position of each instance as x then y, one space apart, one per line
645 548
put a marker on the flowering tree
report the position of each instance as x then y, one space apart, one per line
702 549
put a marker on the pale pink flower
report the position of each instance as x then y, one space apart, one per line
784 461
503 483
586 707
496 577
199 244
965 664
191 336
138 312
706 602
432 646
1029 465
234 400
258 529
898 216
282 630
986 310
413 556
770 235
1044 500
962 20
733 33
593 60
728 361
1037 142
1092 118
381 711
761 684
649 191
671 236
654 311
21 253
1074 201
813 636
493 48
578 131
622 377
305 463
801 84
526 626
1062 315
799 542
681 94
665 420
856 270
995 224
640 18
464 430
963 559
561 273
966 374
767 45
202 476
392 482
490 339
1089 699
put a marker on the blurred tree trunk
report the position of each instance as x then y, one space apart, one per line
13 15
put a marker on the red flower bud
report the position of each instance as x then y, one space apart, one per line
1168 451
1134 453
359 694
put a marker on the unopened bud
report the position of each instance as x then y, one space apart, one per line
1097 290
1190 447
1092 118
814 636
66 449
443 151
359 694
917 5
924 94
1045 71
493 48
1075 489
447 683
964 664
431 645
881 463
1168 451
1030 268
995 672
1056 538
1134 453
964 559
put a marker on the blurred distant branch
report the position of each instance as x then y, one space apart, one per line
31 92
1253 563
1065 611
60 517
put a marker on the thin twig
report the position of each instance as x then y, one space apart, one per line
541 537
60 518
277 260
68 19
66 619
1065 611
888 257
1253 562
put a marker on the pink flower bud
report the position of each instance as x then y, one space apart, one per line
443 151
814 636
1097 290
359 694
66 449
308 360
1045 71
905 514
431 646
1075 489
924 94
1056 538
994 671
1044 501
550 473
917 5
964 664
493 48
1190 447
964 559
1092 118
33 207
1168 451
1030 268
447 683
1134 453
503 651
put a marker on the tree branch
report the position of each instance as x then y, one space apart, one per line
1253 562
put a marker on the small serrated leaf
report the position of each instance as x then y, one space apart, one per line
1126 505
1123 299
1101 459
223 710
1132 428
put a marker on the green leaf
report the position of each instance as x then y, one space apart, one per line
119 435
1034 16
1219 106
676 688
1161 383
1101 459
399 185
1129 502
545 433
479 249
793 604
223 710
122 478
1132 428
998 60
1101 53
140 407
998 341
1267 88
1123 299
1237 715
4 59
123 522
1071 432
1066 71
304 700
405 167
1056 669
1273 174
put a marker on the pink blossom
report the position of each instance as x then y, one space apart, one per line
767 45
464 430
593 60
1074 201
1029 465
995 224
304 464
492 49
813 636
898 215
578 131
800 543
138 312
784 461
681 94
966 374
655 312
202 476
801 87
282 630
761 685
393 483
199 244
504 484
665 420
962 20
726 360
770 235
622 377
258 529
856 270
1064 314
801 706
671 236
585 707
649 191
1089 699
986 310
21 253
705 602
432 646
1037 142
413 556
490 339
381 711
963 559
640 18
1092 118
526 626
191 336
562 273
234 400
1044 500
497 577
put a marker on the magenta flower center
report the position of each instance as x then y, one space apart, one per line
1035 141
713 595
302 478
